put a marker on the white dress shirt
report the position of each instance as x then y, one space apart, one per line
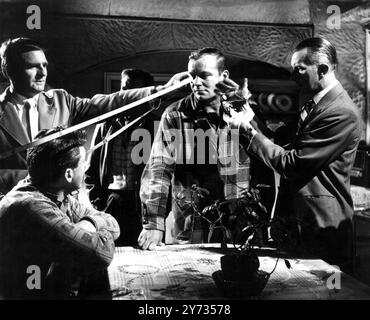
29 118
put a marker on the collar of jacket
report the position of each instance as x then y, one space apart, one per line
329 96
10 121
46 98
191 109
322 104
48 95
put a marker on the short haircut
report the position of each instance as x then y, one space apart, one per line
195 55
48 161
11 50
138 78
318 48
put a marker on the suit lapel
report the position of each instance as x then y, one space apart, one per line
11 123
308 118
47 110
323 103
329 97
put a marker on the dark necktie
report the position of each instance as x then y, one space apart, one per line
305 111
26 119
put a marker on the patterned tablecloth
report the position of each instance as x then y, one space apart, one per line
185 272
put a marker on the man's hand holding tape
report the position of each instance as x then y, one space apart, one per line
242 118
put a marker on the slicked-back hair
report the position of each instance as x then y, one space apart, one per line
10 53
318 48
47 162
137 78
195 55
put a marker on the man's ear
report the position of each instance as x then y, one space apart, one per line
225 74
68 175
322 70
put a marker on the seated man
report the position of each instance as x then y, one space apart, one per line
48 240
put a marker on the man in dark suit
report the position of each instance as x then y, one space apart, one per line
25 108
113 175
315 169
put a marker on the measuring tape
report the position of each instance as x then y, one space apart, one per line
95 120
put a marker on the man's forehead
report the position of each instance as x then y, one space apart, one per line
299 56
33 56
205 61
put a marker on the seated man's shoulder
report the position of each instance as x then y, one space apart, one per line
25 199
15 200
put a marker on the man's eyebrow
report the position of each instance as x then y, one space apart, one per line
30 64
205 73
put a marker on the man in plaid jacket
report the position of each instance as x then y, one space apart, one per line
193 146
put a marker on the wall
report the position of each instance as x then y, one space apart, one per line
83 37
349 41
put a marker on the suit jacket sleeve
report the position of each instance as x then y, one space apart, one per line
83 109
319 143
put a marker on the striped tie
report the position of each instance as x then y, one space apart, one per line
305 111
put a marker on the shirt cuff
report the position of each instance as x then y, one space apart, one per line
98 222
91 220
155 224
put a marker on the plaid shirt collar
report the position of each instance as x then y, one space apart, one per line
195 110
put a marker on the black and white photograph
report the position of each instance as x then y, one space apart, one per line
190 157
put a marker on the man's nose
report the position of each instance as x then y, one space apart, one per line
197 80
43 70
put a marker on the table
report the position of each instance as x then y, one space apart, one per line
178 272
